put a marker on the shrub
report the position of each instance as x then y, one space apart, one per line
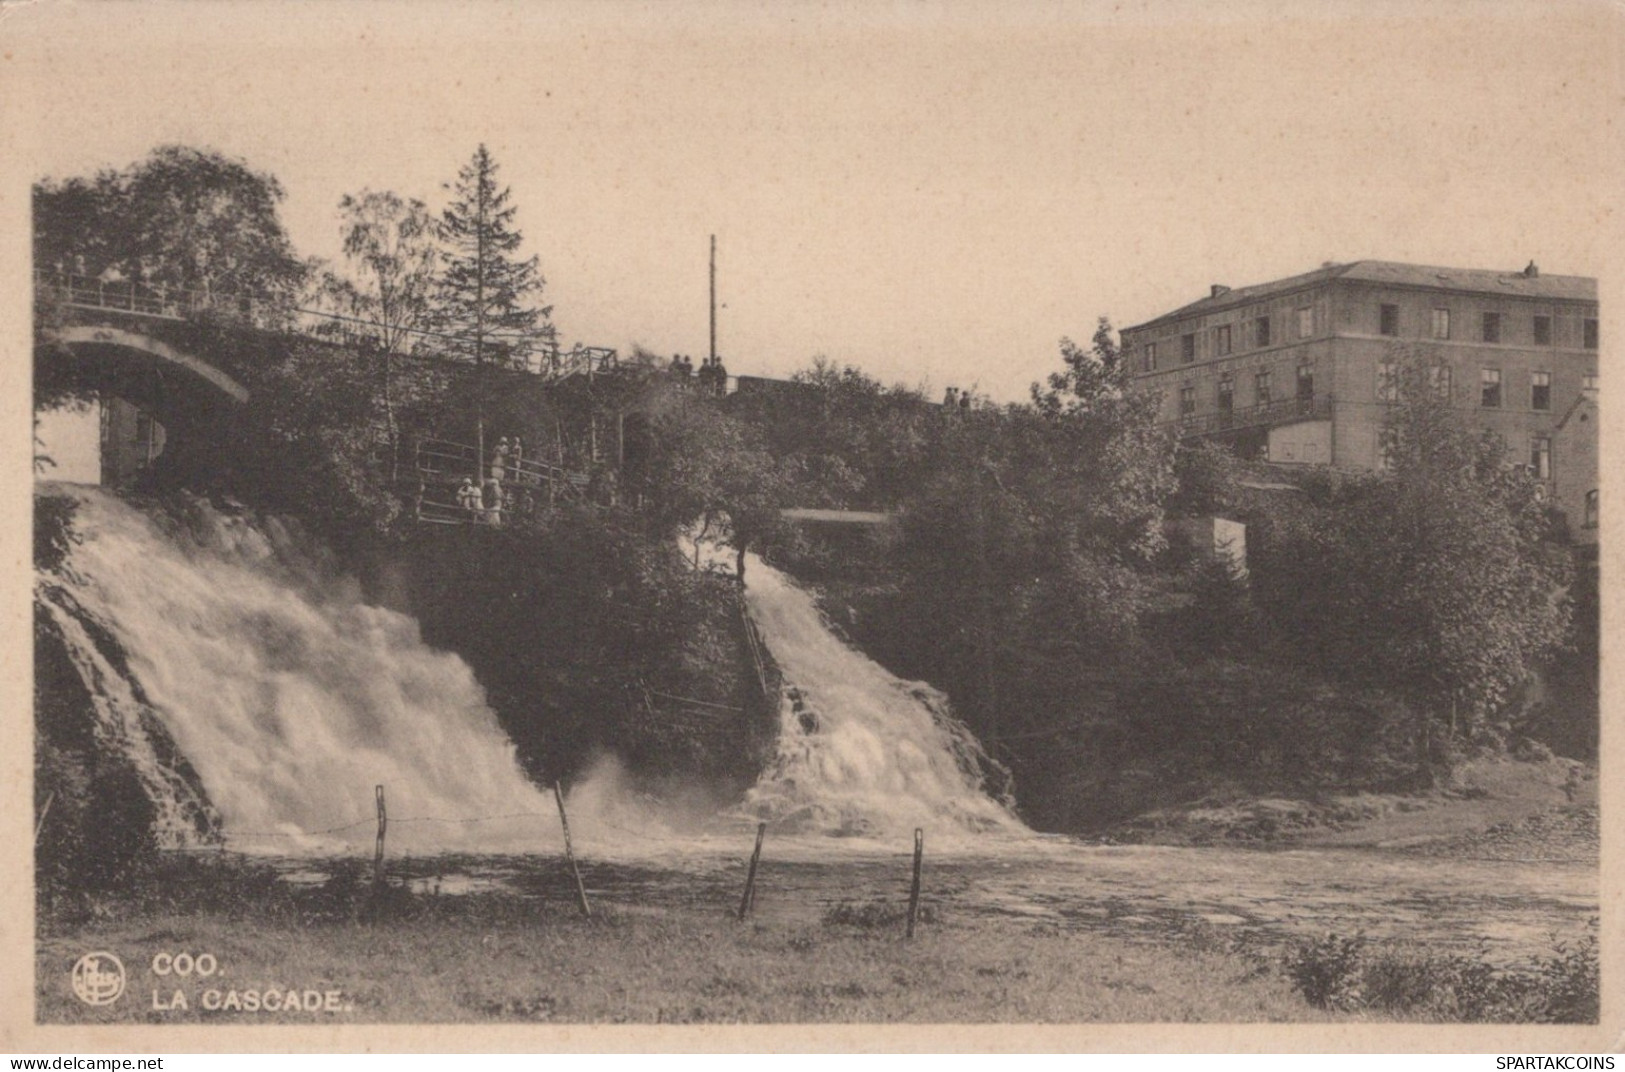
1327 971
1348 974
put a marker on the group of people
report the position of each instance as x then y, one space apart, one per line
507 454
954 398
486 503
712 376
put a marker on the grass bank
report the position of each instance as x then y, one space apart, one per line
497 961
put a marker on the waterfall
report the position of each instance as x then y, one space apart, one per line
287 695
260 699
861 751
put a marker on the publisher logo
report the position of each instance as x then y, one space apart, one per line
98 979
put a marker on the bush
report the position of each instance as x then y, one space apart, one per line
1349 975
1327 971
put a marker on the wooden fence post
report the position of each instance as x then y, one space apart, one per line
748 901
378 849
914 887
569 854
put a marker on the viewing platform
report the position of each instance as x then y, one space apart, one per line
501 489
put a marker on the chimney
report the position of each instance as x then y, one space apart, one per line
1219 289
1532 271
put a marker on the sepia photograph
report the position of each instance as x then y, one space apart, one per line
820 519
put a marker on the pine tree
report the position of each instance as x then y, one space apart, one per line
486 295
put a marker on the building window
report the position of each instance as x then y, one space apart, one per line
1591 333
1490 388
1390 320
1187 401
1588 382
1492 327
1439 381
1387 381
1543 331
1540 390
1261 386
1150 357
1221 339
1306 382
1441 323
1227 393
1261 332
1306 322
1187 348
1540 457
1591 509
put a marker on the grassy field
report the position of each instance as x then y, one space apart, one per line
490 962
520 953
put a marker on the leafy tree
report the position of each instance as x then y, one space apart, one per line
1434 579
1464 596
206 222
486 295
80 224
190 219
1089 377
389 243
1024 557
715 469
1206 476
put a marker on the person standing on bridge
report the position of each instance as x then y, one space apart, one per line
499 459
468 498
515 456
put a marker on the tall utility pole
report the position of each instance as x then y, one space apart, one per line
713 299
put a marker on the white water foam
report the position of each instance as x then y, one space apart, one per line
291 697
861 751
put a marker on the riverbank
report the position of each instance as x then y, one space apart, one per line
1539 810
1039 930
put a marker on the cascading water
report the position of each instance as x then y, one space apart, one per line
258 697
289 697
861 751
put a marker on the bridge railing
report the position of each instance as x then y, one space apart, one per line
442 465
541 357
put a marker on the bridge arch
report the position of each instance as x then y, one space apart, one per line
97 341
192 402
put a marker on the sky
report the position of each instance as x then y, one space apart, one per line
936 193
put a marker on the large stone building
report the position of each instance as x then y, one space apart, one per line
1302 370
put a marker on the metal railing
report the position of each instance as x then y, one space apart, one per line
442 466
540 357
1264 415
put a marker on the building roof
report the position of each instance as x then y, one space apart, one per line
1391 273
